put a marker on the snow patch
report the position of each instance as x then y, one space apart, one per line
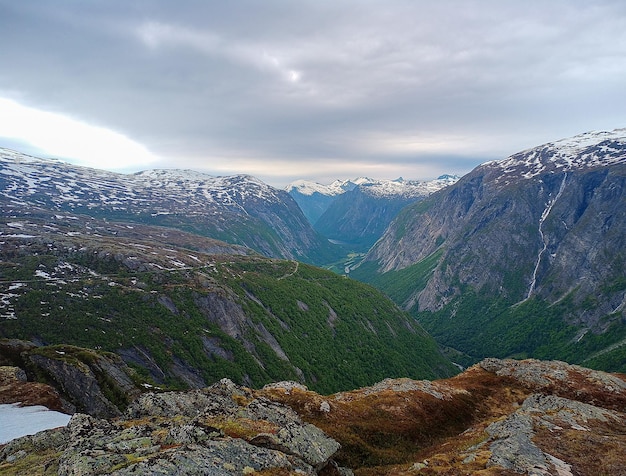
591 149
20 421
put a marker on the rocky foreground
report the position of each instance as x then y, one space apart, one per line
500 417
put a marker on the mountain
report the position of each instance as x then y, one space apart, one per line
185 311
314 198
523 256
500 417
356 212
360 216
238 209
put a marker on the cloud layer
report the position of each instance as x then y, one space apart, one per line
321 90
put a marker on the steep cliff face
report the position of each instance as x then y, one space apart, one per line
76 379
359 217
547 225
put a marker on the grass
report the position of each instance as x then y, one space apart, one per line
390 429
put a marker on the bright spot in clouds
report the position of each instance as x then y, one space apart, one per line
294 76
70 139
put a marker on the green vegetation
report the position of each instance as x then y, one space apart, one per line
477 325
399 285
483 327
324 321
252 319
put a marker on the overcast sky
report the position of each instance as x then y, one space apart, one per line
306 89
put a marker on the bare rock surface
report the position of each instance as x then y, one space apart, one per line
512 440
498 418
222 429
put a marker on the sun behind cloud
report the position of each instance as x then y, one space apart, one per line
59 136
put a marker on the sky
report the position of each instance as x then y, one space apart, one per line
306 89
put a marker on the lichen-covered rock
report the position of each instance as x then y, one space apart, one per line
512 446
562 379
287 385
221 429
553 408
217 457
511 440
309 443
499 417
9 374
264 409
56 438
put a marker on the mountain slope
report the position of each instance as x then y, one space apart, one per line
238 209
523 256
360 216
186 311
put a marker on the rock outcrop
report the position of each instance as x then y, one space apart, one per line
222 429
77 379
500 417
512 440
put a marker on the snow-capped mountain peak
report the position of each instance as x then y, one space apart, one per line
239 209
309 188
382 188
591 149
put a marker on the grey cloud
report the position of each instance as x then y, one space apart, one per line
334 82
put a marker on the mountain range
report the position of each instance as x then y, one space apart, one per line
521 257
119 263
238 209
116 289
355 213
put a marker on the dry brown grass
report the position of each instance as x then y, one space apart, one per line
386 430
599 451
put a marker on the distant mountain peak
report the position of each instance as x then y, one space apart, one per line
399 186
315 199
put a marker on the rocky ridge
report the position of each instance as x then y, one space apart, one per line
500 417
